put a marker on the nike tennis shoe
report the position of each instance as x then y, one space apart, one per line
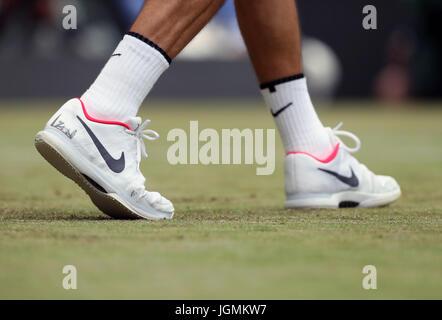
103 158
337 181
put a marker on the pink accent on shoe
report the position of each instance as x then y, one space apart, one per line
102 121
326 160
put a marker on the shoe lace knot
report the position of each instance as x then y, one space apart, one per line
338 133
141 133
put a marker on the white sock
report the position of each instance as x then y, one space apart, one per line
126 79
298 124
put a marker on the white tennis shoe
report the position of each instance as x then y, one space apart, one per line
103 158
337 181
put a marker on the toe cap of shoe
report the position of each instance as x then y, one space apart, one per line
164 205
386 184
158 202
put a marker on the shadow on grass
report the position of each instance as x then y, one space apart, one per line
50 215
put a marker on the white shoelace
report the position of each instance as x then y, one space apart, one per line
338 132
141 133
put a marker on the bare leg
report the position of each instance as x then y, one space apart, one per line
172 24
271 33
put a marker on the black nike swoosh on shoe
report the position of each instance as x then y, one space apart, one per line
275 114
116 165
352 181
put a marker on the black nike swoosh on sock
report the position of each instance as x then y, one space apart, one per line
275 114
352 181
116 165
116 54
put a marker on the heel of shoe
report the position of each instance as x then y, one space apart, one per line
290 178
50 154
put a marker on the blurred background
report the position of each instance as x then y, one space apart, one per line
400 60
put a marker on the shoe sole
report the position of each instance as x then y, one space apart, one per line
348 199
102 200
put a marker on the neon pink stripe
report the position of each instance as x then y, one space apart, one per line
102 121
326 160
